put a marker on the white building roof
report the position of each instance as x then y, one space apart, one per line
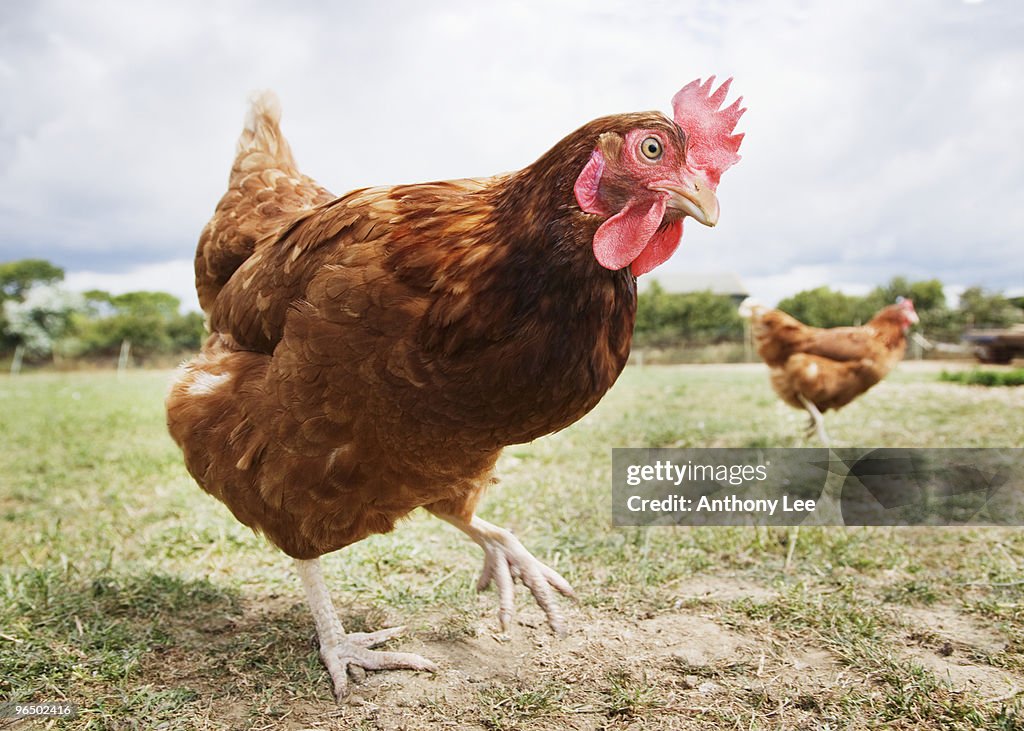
727 283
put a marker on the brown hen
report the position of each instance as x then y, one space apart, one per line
818 369
373 353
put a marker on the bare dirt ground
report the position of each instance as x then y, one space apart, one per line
694 665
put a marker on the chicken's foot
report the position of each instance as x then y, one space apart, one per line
340 651
505 560
817 420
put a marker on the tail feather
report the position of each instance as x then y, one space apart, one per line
777 335
265 192
261 145
264 109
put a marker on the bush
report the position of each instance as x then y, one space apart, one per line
824 307
150 321
979 377
696 317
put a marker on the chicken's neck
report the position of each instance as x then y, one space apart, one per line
541 329
889 330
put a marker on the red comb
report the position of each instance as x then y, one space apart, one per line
711 146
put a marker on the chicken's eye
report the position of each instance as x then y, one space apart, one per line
651 148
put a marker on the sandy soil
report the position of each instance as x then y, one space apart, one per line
683 668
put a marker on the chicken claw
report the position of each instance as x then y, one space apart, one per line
341 652
507 560
352 651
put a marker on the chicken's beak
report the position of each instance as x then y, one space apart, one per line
693 197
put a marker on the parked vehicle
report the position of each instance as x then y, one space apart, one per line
997 346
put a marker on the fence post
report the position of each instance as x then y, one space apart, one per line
19 353
122 360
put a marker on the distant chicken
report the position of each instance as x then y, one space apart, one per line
372 353
818 369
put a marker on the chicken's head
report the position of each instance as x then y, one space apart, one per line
646 179
907 313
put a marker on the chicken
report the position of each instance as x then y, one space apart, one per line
818 369
372 353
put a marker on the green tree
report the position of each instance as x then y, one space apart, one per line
40 318
987 309
708 317
151 321
824 307
653 309
938 321
928 296
17 277
694 317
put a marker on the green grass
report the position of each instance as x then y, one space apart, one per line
979 377
128 591
504 708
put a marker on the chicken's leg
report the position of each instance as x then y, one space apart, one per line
505 559
817 424
817 420
338 650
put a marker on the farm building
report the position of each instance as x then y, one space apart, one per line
727 283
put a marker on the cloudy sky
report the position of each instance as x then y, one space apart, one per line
883 137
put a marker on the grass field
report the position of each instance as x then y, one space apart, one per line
129 592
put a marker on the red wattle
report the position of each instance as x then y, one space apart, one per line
660 248
624 236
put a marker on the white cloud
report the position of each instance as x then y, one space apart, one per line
881 137
769 289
